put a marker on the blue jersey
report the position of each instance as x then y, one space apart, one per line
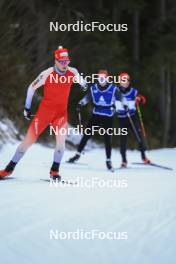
126 98
103 100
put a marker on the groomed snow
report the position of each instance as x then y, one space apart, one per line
145 210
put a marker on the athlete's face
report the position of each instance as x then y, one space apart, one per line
62 65
125 83
102 79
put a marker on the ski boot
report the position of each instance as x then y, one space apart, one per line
54 172
8 170
146 161
74 158
109 165
54 176
123 165
4 173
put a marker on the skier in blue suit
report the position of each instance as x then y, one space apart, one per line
102 95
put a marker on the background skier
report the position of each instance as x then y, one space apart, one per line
102 95
126 99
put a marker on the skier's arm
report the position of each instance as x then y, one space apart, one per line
119 102
79 79
30 94
85 100
82 82
38 82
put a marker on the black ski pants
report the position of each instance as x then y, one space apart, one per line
125 122
103 122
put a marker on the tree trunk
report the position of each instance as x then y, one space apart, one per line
165 76
115 13
42 40
167 108
41 43
136 41
162 93
163 9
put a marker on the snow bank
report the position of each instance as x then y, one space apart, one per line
8 132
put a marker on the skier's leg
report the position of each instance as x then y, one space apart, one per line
108 147
138 129
141 144
123 147
61 125
84 139
107 122
87 135
36 127
81 146
38 124
123 123
83 142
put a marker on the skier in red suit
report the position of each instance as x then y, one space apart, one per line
56 82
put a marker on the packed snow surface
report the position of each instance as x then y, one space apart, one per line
140 208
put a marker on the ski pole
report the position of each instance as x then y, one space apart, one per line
132 125
134 128
141 121
142 125
79 116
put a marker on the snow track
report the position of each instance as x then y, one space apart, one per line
145 209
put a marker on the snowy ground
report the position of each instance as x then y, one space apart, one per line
145 210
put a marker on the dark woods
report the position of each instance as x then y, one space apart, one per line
147 51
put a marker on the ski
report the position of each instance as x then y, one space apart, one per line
76 163
60 182
153 164
122 168
6 178
83 166
111 170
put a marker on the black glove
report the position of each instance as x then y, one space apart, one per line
27 113
84 89
126 107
